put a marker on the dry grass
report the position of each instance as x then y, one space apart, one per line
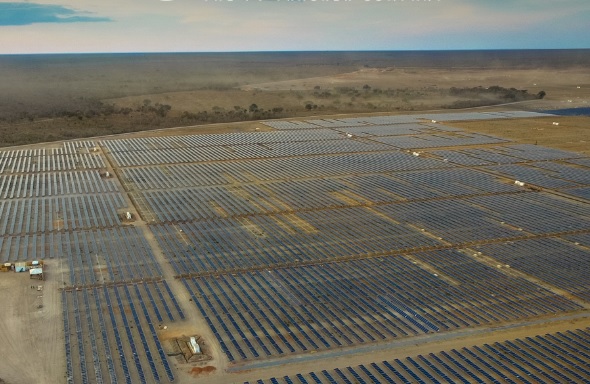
415 89
572 133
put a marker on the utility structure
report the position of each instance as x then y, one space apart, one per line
36 273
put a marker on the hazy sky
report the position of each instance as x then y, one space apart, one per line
47 26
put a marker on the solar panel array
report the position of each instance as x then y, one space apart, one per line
438 140
351 303
93 256
104 256
319 235
396 129
297 222
582 161
282 239
583 193
559 262
401 119
245 151
209 140
30 215
538 213
292 214
295 195
57 205
579 238
561 357
318 166
507 154
72 156
111 333
533 175
484 217
53 184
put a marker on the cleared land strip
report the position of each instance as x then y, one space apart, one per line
176 286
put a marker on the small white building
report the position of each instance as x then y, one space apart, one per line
36 273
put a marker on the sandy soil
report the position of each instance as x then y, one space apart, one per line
31 329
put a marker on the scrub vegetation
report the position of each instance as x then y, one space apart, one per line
56 97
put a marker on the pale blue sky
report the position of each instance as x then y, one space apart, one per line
62 26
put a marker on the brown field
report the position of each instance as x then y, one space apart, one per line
572 133
416 89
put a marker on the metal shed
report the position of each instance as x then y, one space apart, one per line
20 267
36 273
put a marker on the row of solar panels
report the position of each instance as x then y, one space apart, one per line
350 303
562 357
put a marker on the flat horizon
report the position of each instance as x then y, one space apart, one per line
295 51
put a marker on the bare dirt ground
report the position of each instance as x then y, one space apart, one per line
31 329
572 133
